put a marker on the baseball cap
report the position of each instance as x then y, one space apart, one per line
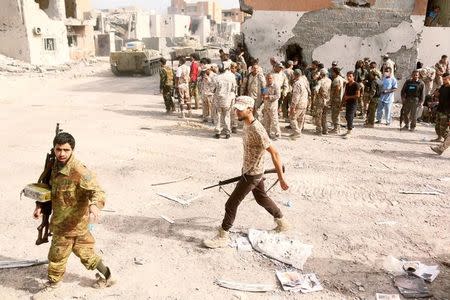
298 72
334 63
244 102
226 65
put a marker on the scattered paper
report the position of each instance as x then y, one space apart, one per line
182 199
428 273
247 287
387 296
168 219
243 244
296 282
386 222
412 287
279 247
9 264
172 181
420 193
403 267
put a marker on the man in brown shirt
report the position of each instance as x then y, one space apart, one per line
256 142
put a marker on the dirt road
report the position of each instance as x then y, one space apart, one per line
340 189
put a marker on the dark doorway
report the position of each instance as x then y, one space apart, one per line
294 52
71 8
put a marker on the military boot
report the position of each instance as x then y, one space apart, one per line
347 134
221 240
45 292
335 129
437 149
282 225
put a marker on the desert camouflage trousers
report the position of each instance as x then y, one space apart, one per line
335 111
320 118
441 127
298 118
63 246
270 118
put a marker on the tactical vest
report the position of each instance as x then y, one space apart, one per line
412 89
169 74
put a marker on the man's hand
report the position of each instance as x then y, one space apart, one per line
94 213
284 185
37 212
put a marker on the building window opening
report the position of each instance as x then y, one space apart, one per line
295 53
71 8
358 3
438 13
43 4
72 40
49 44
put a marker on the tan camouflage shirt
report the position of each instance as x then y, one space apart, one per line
74 188
256 141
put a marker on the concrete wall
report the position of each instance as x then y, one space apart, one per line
331 31
204 29
13 33
142 25
155 25
174 26
19 39
105 44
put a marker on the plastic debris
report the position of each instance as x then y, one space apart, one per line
296 282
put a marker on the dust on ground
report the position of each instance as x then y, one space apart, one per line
339 190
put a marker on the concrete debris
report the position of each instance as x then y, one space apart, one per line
279 247
387 296
412 287
247 287
296 282
9 264
171 221
182 199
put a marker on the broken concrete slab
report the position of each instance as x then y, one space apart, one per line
280 247
247 287
10 264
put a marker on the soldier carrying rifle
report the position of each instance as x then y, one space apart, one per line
76 200
256 142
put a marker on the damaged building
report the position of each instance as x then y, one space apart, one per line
328 30
47 32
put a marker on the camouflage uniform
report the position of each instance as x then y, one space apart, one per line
252 86
74 189
183 86
270 112
224 94
207 91
300 93
287 100
166 86
282 81
321 104
337 92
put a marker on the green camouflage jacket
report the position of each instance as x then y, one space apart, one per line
74 188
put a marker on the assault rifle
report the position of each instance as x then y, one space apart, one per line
46 207
237 178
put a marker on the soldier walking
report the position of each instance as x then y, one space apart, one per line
166 85
271 97
337 92
253 85
76 200
207 91
322 100
224 94
256 142
182 84
299 103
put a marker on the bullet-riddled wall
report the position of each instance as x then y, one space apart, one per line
29 34
329 30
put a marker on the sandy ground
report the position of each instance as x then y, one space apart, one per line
339 190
